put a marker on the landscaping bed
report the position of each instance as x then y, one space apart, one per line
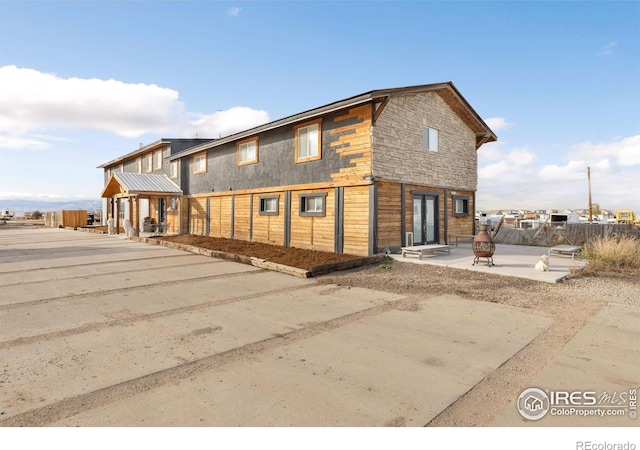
310 260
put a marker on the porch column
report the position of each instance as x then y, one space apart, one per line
137 218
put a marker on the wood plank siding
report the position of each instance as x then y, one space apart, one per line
313 232
356 220
197 216
352 142
268 229
389 213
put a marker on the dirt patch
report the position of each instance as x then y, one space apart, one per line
288 256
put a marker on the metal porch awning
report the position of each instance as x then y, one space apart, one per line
126 184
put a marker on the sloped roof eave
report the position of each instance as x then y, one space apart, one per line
465 111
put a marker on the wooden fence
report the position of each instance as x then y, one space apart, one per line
66 218
572 234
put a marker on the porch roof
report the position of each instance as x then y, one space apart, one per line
127 183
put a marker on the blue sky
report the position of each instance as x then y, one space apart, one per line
82 83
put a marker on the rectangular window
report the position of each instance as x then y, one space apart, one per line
269 205
157 160
308 141
248 152
139 165
312 204
430 139
148 163
173 169
460 206
200 163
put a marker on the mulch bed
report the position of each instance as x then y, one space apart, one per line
288 256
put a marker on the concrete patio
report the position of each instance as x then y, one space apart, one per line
510 260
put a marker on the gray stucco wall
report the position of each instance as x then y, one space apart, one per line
276 163
397 144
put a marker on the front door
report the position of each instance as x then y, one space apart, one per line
425 224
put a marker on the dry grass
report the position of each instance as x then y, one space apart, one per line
613 255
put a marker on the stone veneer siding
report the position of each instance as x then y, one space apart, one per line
397 144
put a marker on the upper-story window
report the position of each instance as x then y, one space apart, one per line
308 141
430 139
139 165
200 163
248 151
147 162
157 160
173 169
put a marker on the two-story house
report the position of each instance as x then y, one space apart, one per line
355 176
138 184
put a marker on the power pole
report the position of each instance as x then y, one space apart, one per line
590 206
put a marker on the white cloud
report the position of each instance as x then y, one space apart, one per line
607 48
233 120
234 11
514 164
514 179
19 143
33 102
625 152
497 123
38 101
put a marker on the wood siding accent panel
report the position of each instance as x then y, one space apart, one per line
313 232
356 220
198 216
353 142
242 217
173 217
460 224
269 229
389 215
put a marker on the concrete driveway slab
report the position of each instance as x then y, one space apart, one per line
400 367
602 358
114 332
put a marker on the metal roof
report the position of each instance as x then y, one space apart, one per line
146 148
447 89
140 183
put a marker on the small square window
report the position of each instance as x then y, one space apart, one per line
312 204
269 205
460 206
248 152
308 142
430 139
173 169
200 163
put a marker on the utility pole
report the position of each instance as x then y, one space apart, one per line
590 206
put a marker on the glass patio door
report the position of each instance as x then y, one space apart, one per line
425 226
